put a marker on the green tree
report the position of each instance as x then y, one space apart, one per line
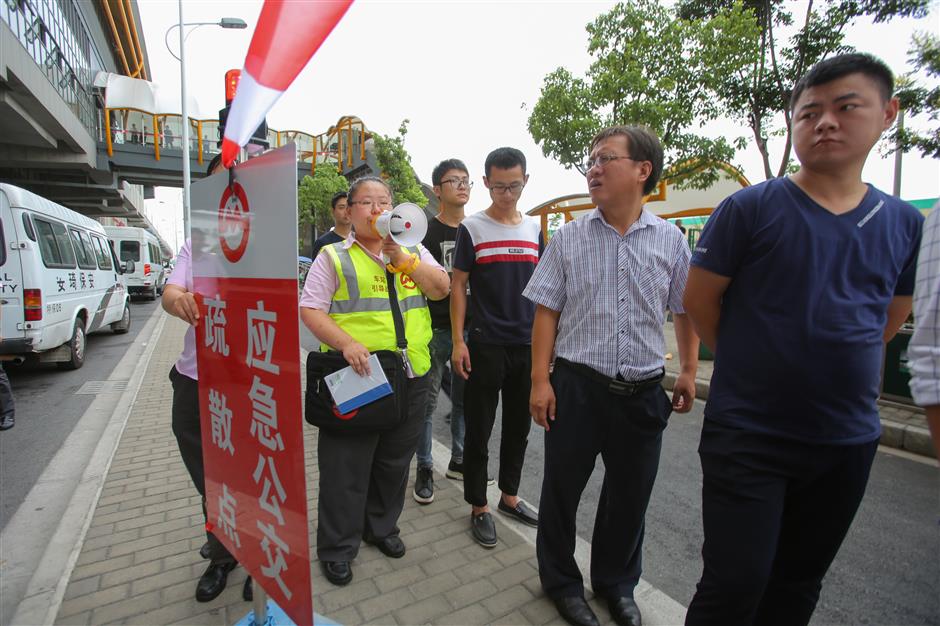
920 100
313 199
757 94
395 164
649 68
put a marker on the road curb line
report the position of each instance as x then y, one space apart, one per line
46 588
657 607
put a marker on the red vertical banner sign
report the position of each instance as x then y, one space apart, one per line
248 352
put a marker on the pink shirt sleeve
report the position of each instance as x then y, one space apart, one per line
427 257
321 284
182 275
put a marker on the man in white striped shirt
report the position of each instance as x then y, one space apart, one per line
601 290
924 349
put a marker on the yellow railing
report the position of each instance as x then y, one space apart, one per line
338 146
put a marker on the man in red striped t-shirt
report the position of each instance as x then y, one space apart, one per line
496 251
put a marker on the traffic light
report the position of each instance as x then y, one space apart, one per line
259 139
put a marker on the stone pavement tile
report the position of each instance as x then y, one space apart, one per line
385 603
424 611
444 563
469 615
432 586
399 578
478 569
470 593
109 540
83 587
100 567
125 574
507 601
91 601
515 574
143 584
81 619
335 598
350 616
541 611
514 618
133 605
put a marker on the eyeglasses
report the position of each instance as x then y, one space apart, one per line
603 160
513 188
382 204
459 182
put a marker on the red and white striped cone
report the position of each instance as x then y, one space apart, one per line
287 36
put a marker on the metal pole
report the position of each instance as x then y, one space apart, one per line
897 156
260 603
185 138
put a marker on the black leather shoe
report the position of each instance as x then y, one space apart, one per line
392 546
204 551
337 572
521 512
213 580
625 611
483 528
575 610
248 593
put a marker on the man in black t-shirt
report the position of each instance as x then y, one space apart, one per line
342 225
452 187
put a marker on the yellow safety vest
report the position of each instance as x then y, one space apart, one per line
361 308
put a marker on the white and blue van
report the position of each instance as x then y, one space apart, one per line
143 248
59 280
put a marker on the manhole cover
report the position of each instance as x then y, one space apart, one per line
95 387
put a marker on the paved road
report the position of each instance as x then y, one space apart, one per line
886 572
47 409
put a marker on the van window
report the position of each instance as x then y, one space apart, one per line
86 256
130 251
3 245
155 255
104 259
54 245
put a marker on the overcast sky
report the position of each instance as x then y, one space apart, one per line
465 73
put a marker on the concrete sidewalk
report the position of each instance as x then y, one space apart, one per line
903 427
139 561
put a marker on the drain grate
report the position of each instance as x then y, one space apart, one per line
95 387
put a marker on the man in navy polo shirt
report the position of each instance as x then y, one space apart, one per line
796 283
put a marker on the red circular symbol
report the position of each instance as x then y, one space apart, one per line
407 281
344 416
234 223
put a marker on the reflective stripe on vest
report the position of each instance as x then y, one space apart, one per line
361 308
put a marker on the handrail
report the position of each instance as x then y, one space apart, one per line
313 146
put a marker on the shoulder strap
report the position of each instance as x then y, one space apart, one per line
396 312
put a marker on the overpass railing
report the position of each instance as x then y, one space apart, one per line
340 146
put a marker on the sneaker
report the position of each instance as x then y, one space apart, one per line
455 470
483 529
424 486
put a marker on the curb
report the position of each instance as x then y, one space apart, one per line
908 437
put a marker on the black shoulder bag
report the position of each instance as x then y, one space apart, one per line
383 414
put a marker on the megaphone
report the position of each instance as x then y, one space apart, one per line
406 224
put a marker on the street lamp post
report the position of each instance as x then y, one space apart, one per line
225 22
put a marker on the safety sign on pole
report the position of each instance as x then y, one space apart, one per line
244 234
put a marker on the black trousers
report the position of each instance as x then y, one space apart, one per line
7 405
627 432
188 432
775 513
363 479
496 369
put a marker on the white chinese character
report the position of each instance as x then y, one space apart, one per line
221 417
267 500
264 415
276 563
261 330
227 505
215 326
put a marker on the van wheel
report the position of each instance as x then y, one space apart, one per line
124 324
153 294
76 347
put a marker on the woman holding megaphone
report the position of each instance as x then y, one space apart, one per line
347 305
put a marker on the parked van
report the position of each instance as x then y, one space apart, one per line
143 248
59 280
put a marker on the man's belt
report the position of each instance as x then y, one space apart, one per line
616 385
